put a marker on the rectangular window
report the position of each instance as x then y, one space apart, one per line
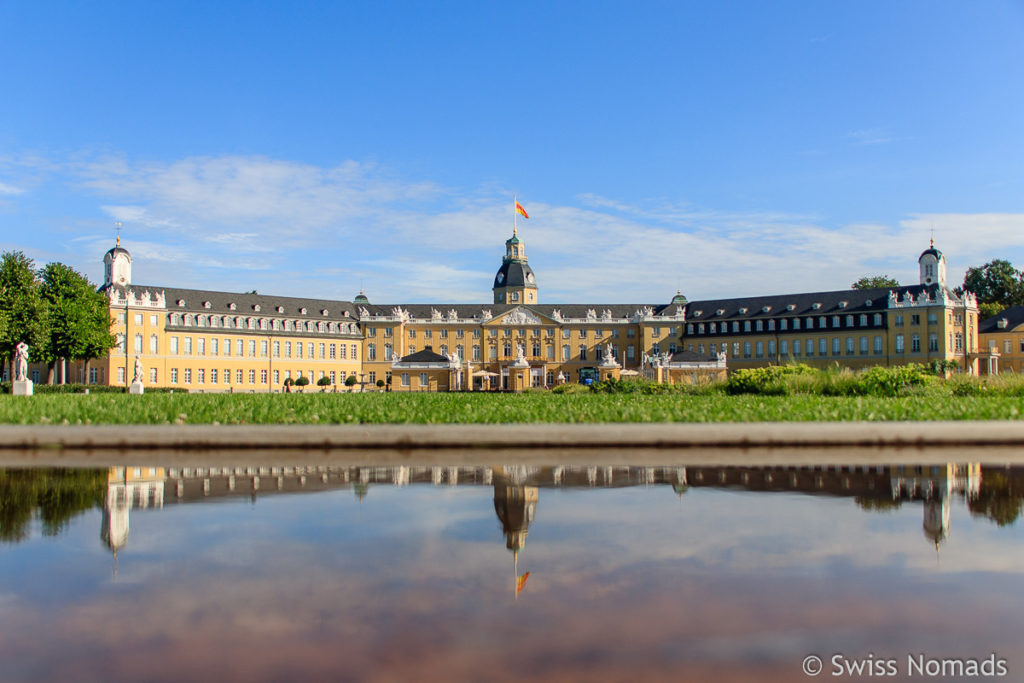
201 376
252 349
174 346
809 347
746 348
152 343
388 349
188 346
759 325
864 346
343 351
915 343
201 346
298 349
323 351
238 377
878 319
287 349
264 348
796 323
152 375
309 349
152 321
263 376
277 377
213 376
959 341
746 326
493 353
758 349
121 317
372 378
355 352
933 342
174 375
583 351
405 379
138 318
700 348
898 320
849 346
120 376
809 323
424 380
784 324
188 375
213 346
849 321
334 351
863 320
915 319
878 345
899 343
277 349
252 377
371 351
835 346
797 347
784 348
227 376
933 318
476 352
822 346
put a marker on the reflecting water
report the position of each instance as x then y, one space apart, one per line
505 572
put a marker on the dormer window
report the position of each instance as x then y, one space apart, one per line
302 310
868 302
232 306
720 311
743 310
791 307
256 307
279 309
181 303
842 304
816 305
697 314
1003 323
766 309
206 304
323 311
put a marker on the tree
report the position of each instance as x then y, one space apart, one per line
79 318
997 283
301 381
351 381
22 308
875 282
324 381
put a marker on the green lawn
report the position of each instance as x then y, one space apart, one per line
318 408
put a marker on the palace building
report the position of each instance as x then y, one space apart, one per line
209 341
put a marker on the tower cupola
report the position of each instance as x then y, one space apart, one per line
515 283
933 266
117 266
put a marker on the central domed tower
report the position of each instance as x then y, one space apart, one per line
514 282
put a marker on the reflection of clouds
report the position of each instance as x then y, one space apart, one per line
413 583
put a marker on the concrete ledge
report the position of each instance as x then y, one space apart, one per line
792 442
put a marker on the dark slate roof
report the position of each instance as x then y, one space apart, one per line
118 250
1014 317
245 302
693 357
514 274
803 304
931 250
427 355
424 311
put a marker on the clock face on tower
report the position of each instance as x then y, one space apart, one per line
501 278
529 278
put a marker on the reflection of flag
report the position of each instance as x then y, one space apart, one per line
521 211
521 582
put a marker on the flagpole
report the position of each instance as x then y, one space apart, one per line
515 214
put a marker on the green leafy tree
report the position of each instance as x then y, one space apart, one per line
351 381
79 320
22 308
997 284
875 282
301 381
324 381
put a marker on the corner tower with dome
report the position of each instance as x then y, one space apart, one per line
515 283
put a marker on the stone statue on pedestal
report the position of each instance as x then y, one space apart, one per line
22 385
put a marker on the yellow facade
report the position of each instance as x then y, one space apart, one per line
202 341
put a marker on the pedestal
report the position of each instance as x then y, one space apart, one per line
22 387
136 388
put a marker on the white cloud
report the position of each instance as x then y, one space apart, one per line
242 223
870 136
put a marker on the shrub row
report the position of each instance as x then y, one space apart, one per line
5 388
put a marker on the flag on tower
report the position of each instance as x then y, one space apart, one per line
521 211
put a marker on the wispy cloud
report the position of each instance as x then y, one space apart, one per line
870 136
239 223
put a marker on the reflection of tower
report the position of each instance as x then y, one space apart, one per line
936 520
516 505
128 487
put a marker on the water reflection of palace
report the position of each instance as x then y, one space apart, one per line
517 488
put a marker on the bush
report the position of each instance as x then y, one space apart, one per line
769 381
324 381
301 381
894 381
380 383
571 388
351 381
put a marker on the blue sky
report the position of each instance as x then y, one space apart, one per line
727 149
